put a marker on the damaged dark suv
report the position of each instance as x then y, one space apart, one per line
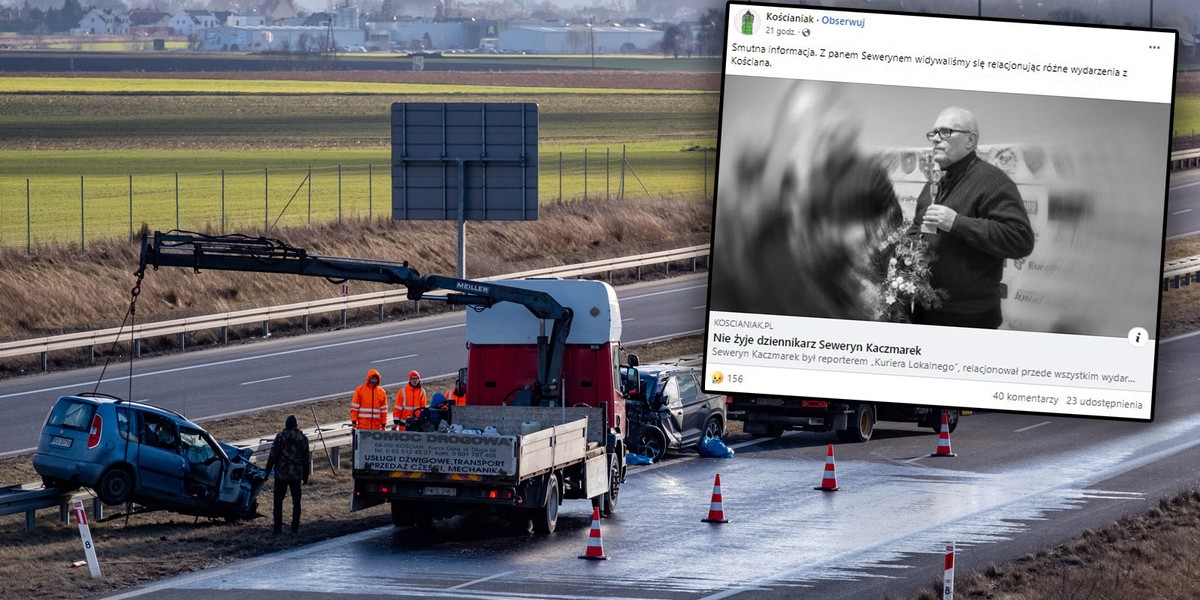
668 410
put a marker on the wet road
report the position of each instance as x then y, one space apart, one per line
1183 204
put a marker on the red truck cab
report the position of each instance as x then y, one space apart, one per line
502 346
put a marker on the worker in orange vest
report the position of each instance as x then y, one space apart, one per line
369 407
409 398
458 395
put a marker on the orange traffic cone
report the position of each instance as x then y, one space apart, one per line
943 448
716 514
829 482
595 547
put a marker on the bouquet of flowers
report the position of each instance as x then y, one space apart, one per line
902 267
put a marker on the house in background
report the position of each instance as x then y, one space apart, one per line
188 22
104 21
279 38
578 39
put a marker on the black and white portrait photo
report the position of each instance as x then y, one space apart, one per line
939 207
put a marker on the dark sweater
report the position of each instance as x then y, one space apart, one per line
991 225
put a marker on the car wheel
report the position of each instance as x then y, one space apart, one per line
714 427
115 487
546 518
652 443
862 427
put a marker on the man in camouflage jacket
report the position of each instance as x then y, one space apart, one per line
292 463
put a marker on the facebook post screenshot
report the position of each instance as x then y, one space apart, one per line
939 211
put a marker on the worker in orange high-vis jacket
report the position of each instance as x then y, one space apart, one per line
409 398
458 395
369 407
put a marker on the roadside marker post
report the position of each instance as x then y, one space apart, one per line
86 534
948 577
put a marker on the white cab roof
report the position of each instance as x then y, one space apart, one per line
597 316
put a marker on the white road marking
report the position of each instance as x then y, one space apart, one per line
481 580
1186 185
683 289
383 360
660 338
266 380
1031 427
1180 212
701 307
233 361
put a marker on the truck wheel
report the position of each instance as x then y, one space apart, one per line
773 431
652 443
546 519
862 427
607 502
115 487
951 420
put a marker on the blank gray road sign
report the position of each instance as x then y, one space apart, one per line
492 146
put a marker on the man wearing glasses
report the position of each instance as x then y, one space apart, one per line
977 220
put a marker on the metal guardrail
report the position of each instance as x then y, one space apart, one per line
179 327
1185 159
1181 272
31 497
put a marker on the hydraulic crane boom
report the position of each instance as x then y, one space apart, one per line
266 255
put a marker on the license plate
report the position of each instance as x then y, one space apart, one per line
440 491
60 442
770 402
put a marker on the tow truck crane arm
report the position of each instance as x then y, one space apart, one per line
266 255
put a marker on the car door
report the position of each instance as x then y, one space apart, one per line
694 406
205 460
672 410
160 465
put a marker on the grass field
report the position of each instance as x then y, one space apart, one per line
1187 116
261 187
111 85
641 63
266 142
140 44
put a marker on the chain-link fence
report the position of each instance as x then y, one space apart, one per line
56 209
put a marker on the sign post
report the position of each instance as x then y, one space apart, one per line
464 161
88 549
